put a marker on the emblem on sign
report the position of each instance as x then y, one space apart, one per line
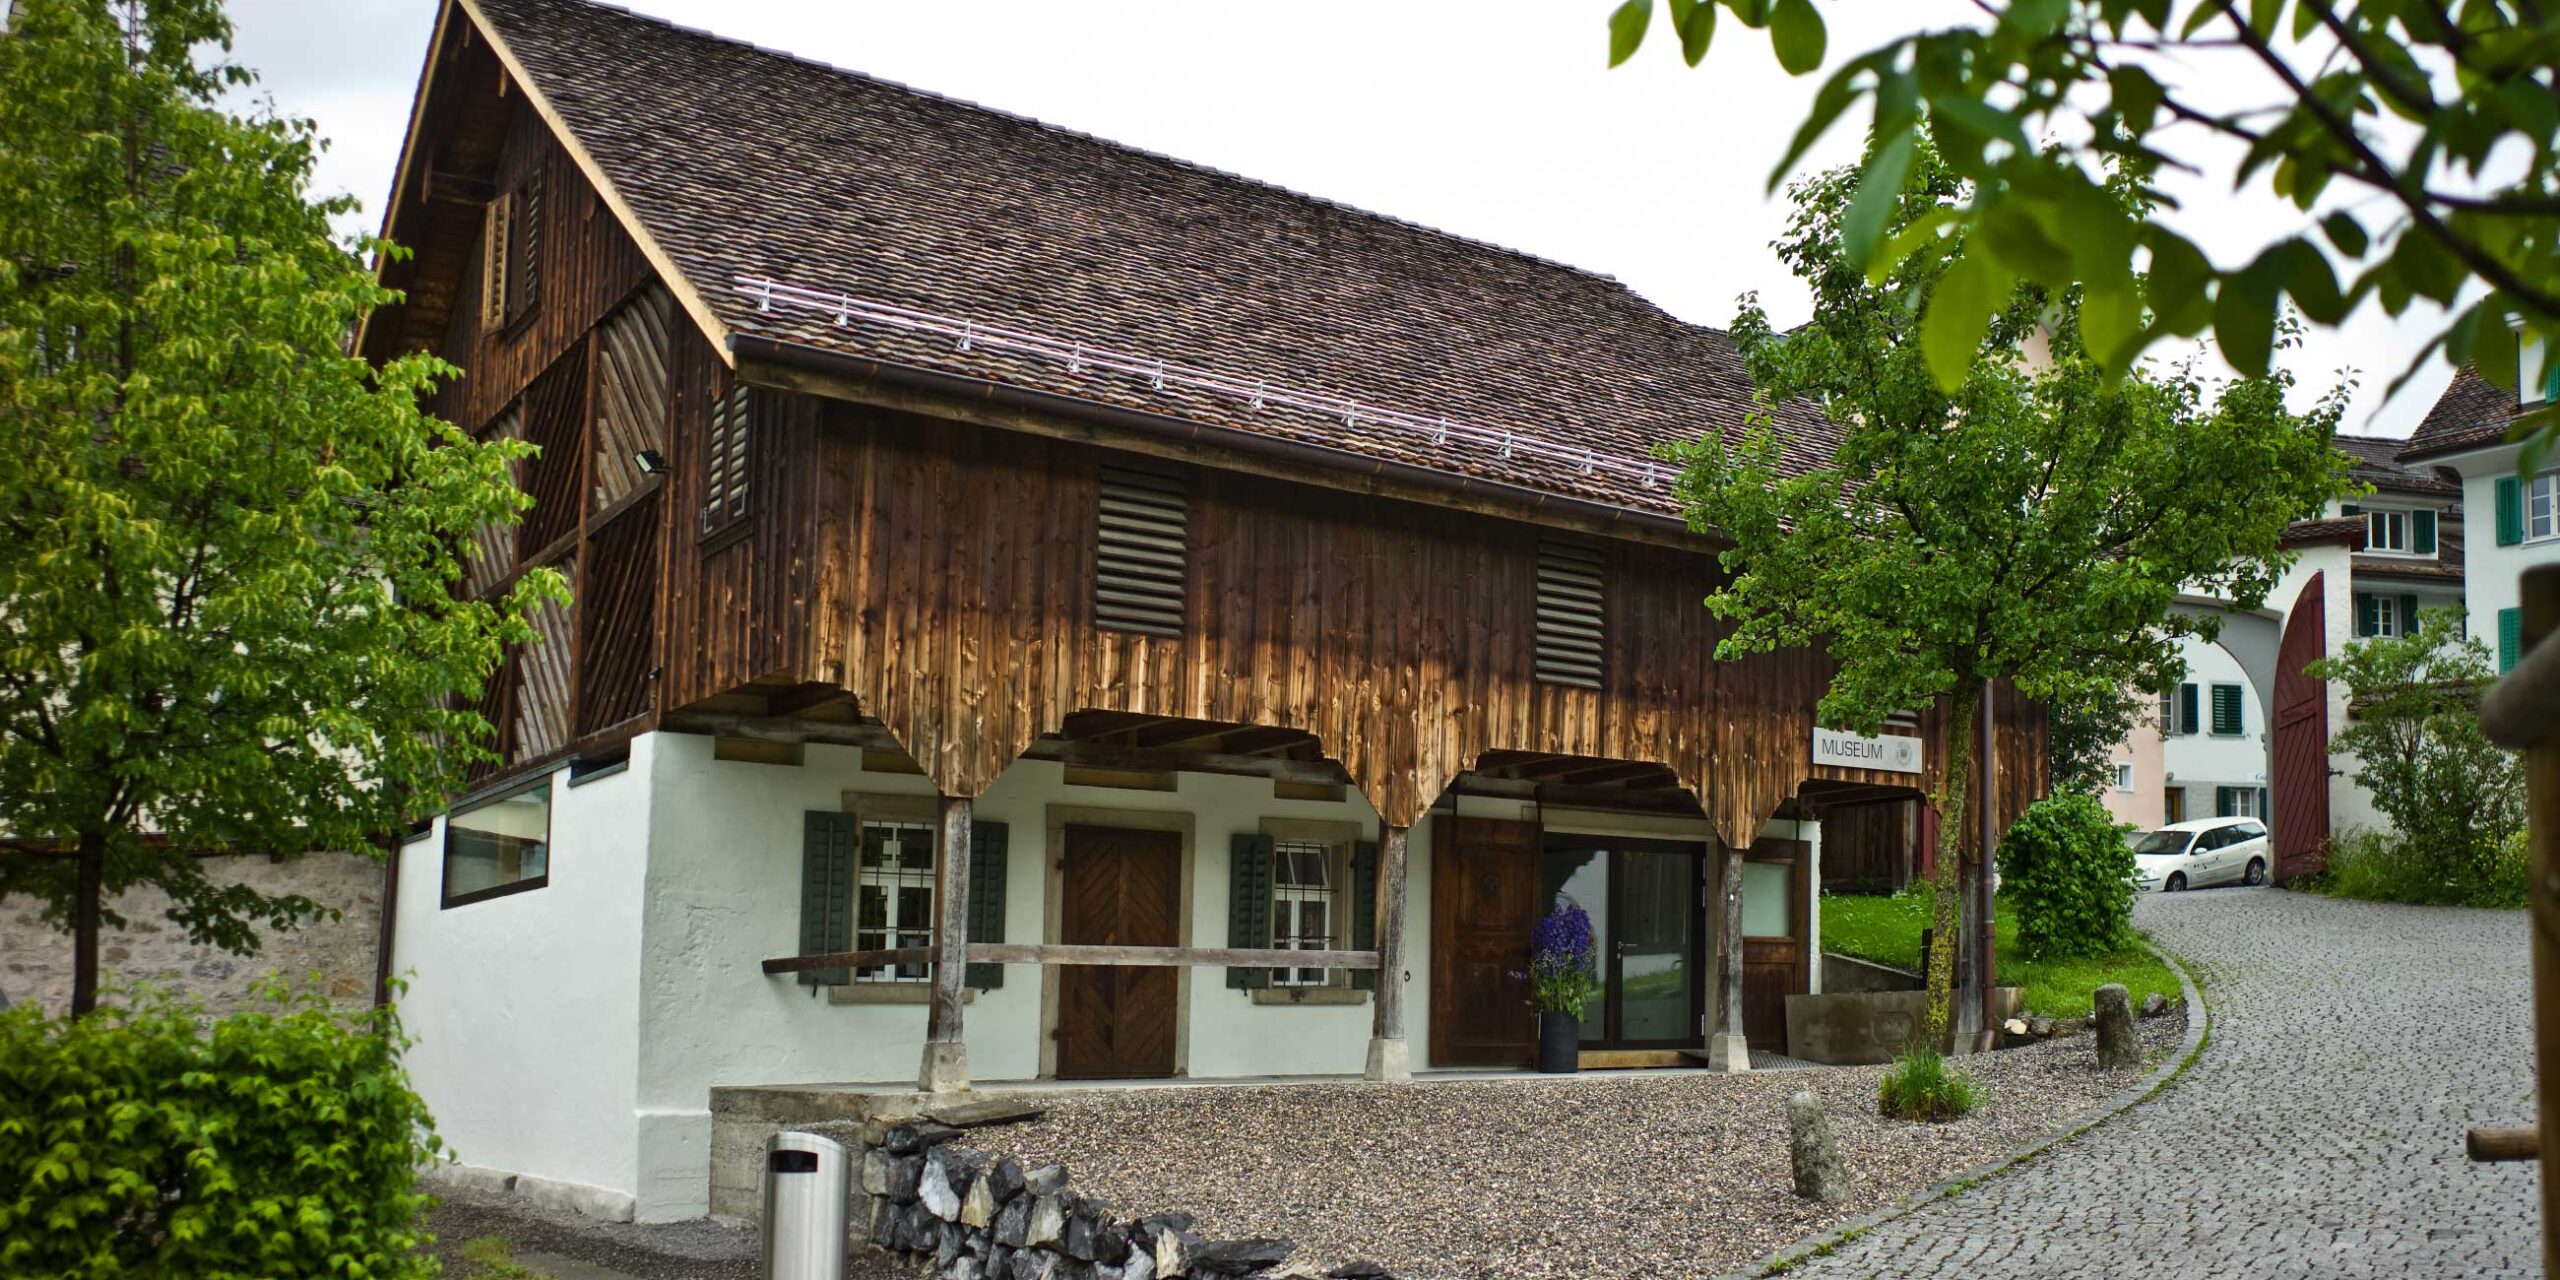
1893 753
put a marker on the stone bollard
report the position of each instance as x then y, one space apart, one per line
1819 1174
2116 1045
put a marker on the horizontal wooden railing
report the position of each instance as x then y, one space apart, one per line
1057 953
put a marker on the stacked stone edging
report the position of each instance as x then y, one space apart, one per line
971 1216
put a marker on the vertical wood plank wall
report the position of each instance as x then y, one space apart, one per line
942 573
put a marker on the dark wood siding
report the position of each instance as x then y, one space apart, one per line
943 574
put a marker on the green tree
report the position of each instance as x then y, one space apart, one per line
2456 797
2418 139
2032 526
226 544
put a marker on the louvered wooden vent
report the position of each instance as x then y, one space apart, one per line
1571 588
1143 553
724 460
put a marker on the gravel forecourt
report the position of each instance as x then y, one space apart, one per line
1633 1173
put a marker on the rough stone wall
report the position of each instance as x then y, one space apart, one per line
35 956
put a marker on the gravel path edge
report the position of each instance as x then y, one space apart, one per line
2199 1025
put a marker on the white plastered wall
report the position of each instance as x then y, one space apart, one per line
525 1007
723 895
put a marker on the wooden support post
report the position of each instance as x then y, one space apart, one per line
2541 602
1390 1060
1728 1049
946 1057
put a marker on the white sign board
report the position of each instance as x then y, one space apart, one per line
1891 753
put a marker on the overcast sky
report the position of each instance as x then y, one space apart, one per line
1495 119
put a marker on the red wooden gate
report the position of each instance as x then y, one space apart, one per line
2301 747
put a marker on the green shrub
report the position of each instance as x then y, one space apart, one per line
2386 867
147 1140
1921 1086
2067 868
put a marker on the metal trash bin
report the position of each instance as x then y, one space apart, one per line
807 1179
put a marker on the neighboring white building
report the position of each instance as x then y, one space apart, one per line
2465 433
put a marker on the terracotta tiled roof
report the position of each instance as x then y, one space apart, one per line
2471 412
2347 529
2377 463
745 163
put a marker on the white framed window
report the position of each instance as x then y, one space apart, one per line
1304 877
2124 775
2386 531
2542 507
893 894
2387 621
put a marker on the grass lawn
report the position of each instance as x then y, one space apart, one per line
1887 931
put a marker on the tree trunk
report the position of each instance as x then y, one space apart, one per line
85 910
1955 859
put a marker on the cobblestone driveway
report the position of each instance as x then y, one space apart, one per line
2319 1135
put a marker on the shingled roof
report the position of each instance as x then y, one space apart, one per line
747 165
2470 413
2377 463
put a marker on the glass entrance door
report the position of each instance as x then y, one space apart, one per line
1643 899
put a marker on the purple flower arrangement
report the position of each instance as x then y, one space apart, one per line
1563 964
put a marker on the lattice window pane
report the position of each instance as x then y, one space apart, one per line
894 896
1302 916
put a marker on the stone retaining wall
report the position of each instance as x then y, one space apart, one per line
35 956
966 1215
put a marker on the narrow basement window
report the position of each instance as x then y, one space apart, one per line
500 845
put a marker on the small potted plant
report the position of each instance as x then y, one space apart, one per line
1563 975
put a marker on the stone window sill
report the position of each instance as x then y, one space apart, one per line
915 993
1310 995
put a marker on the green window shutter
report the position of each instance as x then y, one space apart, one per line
2226 709
2187 719
826 892
2510 639
986 898
2346 509
2408 615
1248 905
1364 908
2422 532
2510 511
2368 615
2223 802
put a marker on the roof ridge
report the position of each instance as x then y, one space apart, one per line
705 33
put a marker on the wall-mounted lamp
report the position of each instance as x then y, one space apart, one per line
652 462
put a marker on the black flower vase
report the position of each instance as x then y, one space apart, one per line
1559 1042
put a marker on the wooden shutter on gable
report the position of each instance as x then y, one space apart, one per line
525 248
2510 491
1572 600
727 434
497 228
1364 909
1248 905
826 892
987 862
1142 555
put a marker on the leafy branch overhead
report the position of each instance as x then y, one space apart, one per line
2416 137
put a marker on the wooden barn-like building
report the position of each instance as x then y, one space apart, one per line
1044 609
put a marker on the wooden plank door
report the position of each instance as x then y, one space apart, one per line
2300 823
1775 966
1484 899
1122 888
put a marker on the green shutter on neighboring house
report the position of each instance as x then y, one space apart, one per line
2510 639
1248 905
2368 614
2510 511
2226 710
2187 718
2422 532
987 867
1364 908
2225 801
2408 615
826 892
2346 509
